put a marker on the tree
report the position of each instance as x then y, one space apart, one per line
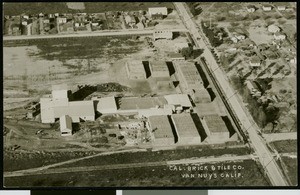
187 52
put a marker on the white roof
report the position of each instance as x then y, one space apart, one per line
178 99
106 103
65 122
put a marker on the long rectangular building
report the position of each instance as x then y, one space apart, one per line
186 129
162 130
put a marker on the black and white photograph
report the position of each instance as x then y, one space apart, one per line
149 94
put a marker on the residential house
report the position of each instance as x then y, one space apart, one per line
279 36
255 61
251 8
267 7
273 28
253 88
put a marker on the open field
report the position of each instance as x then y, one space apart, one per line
251 175
163 155
89 7
285 146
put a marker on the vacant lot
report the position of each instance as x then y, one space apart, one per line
89 7
164 155
291 167
160 176
285 146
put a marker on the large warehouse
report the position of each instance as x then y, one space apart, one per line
135 70
162 130
216 128
186 129
159 69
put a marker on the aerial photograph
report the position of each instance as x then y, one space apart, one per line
149 94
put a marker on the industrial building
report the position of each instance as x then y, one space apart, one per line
159 69
58 105
65 125
186 129
158 11
106 105
162 34
191 81
179 102
188 75
162 131
216 128
135 70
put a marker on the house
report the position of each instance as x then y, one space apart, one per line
240 37
162 34
253 88
216 129
130 20
279 36
161 129
267 7
65 123
179 102
61 20
255 61
186 129
273 28
234 39
281 7
251 8
135 70
159 69
158 11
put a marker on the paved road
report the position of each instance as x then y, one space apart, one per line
265 156
42 170
90 34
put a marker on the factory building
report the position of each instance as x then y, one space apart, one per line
188 75
106 105
191 81
162 34
186 129
216 129
159 69
162 131
65 125
157 11
58 105
179 102
135 70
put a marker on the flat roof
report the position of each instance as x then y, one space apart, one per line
107 103
185 125
179 99
215 123
76 108
164 129
190 73
159 66
133 103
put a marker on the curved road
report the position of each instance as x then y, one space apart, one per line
265 156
